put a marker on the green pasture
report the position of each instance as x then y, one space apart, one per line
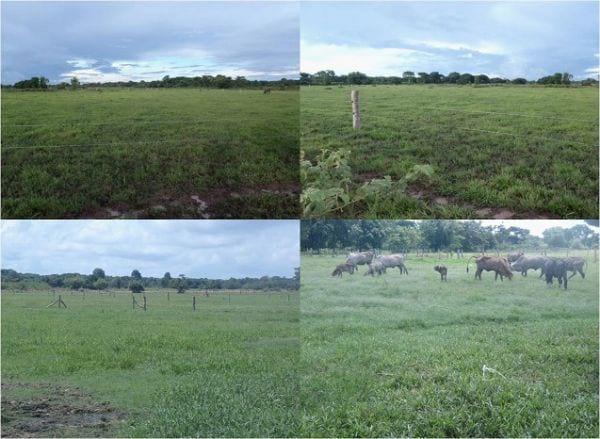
404 355
510 151
150 153
227 369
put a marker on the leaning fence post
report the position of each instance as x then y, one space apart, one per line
355 109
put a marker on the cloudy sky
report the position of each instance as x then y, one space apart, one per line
112 41
506 39
212 249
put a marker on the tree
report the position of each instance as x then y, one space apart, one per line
75 83
357 78
324 77
98 273
165 282
136 287
453 77
519 81
409 77
136 274
466 78
181 284
566 78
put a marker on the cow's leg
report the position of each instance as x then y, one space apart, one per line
574 273
524 273
478 273
565 281
582 273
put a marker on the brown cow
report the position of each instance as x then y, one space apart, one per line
491 263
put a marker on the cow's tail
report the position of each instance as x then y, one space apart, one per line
468 261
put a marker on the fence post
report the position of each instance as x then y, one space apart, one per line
132 301
194 303
229 294
355 109
168 295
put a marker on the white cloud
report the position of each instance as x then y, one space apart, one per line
370 60
81 63
485 47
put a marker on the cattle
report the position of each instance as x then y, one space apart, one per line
375 267
443 272
360 258
343 268
576 264
266 91
392 261
512 257
556 268
491 263
525 263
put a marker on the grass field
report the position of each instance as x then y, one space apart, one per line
403 355
99 368
165 153
519 152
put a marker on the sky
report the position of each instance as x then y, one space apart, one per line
537 227
505 39
216 249
122 41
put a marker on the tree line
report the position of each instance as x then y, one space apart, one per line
329 77
206 81
436 235
99 280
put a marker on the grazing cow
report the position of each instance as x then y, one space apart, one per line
360 258
576 264
556 268
491 263
525 263
392 261
375 267
443 272
512 257
341 268
266 91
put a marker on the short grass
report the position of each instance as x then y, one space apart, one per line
228 369
147 152
542 159
403 355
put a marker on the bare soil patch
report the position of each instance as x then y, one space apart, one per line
46 410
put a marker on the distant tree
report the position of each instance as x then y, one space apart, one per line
566 78
100 284
482 79
136 287
520 81
165 282
453 77
181 284
75 83
408 77
357 78
136 274
466 78
98 273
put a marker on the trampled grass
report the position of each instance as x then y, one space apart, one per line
163 153
227 369
401 355
530 150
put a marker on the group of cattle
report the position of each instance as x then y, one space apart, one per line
376 264
549 267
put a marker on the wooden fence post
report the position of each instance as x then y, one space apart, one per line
194 303
144 302
229 298
355 109
132 301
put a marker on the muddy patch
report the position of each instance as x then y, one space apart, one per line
267 201
45 410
